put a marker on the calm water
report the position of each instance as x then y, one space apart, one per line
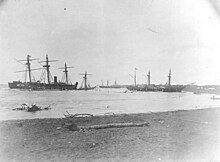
97 102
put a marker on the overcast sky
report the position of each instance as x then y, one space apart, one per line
109 38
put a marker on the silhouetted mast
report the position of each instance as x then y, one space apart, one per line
66 72
28 65
169 78
85 79
47 66
148 77
135 76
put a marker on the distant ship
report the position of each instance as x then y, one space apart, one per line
52 83
85 85
116 85
154 88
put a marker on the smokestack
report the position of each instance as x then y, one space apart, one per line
55 79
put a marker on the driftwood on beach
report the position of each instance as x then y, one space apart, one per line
74 127
68 115
114 125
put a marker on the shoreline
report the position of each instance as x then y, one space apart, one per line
114 114
172 135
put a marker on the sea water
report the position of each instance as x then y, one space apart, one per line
97 102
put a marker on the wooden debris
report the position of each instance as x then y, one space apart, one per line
74 127
31 108
114 125
68 115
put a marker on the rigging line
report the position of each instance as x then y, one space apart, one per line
69 79
82 84
51 77
42 75
25 76
62 79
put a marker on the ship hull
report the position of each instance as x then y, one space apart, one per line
41 86
155 88
173 88
145 88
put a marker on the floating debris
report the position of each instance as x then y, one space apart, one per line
32 108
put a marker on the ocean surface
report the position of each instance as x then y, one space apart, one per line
97 102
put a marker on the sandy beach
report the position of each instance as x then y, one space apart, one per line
191 135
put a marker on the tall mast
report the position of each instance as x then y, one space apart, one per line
107 82
29 67
135 77
85 79
47 66
148 77
48 69
169 78
85 83
66 72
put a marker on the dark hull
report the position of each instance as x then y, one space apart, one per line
155 88
113 86
145 88
41 86
174 88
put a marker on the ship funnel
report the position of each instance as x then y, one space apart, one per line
55 79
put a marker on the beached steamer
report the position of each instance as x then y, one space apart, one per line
33 85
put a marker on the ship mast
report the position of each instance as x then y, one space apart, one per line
169 78
47 66
85 79
28 68
148 77
66 72
135 76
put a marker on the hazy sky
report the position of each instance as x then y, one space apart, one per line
108 38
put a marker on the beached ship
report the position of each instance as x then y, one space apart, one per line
171 88
154 88
143 87
51 84
85 85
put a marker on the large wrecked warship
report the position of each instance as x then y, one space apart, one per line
46 82
155 88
